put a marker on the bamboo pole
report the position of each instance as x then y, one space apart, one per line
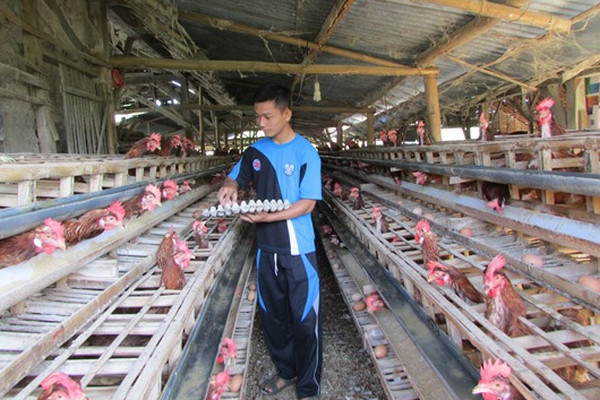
464 35
257 66
223 107
433 108
508 13
224 24
492 73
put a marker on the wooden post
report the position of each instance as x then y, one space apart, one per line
101 49
433 108
32 49
340 134
215 122
187 115
201 123
575 102
370 129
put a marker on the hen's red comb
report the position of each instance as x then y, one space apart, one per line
56 226
495 265
117 209
548 102
423 225
491 369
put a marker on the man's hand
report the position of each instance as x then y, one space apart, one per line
256 217
228 192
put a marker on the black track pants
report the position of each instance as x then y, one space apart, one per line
288 295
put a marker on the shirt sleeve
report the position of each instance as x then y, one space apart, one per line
241 171
310 183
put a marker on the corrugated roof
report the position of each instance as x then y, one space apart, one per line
393 30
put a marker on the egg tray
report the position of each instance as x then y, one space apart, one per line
250 207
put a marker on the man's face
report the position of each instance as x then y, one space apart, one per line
270 119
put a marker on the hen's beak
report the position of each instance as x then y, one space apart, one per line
481 388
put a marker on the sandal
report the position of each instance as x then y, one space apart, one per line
274 384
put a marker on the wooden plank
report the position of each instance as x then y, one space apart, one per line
26 192
39 168
477 337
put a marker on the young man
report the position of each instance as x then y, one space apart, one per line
285 166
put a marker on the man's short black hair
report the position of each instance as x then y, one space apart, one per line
280 95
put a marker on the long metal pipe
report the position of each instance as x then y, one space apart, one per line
191 377
19 219
452 367
570 182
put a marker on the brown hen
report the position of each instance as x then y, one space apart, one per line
45 238
429 247
59 386
144 145
142 202
444 274
504 306
93 223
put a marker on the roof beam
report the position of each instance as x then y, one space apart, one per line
336 14
508 13
478 26
334 18
492 73
225 24
250 108
275 68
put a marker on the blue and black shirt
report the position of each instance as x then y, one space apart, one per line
289 171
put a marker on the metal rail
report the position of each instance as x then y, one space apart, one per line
448 367
19 219
570 182
551 330
191 377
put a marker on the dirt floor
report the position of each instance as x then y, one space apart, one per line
348 372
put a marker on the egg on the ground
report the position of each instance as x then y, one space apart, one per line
359 306
380 351
418 210
356 296
235 383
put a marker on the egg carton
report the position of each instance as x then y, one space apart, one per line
251 206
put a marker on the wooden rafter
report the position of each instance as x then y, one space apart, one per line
334 18
224 24
336 15
276 68
478 26
250 108
491 73
508 13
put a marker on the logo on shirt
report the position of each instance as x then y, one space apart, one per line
256 164
288 169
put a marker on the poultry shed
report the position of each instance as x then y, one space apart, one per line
458 233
